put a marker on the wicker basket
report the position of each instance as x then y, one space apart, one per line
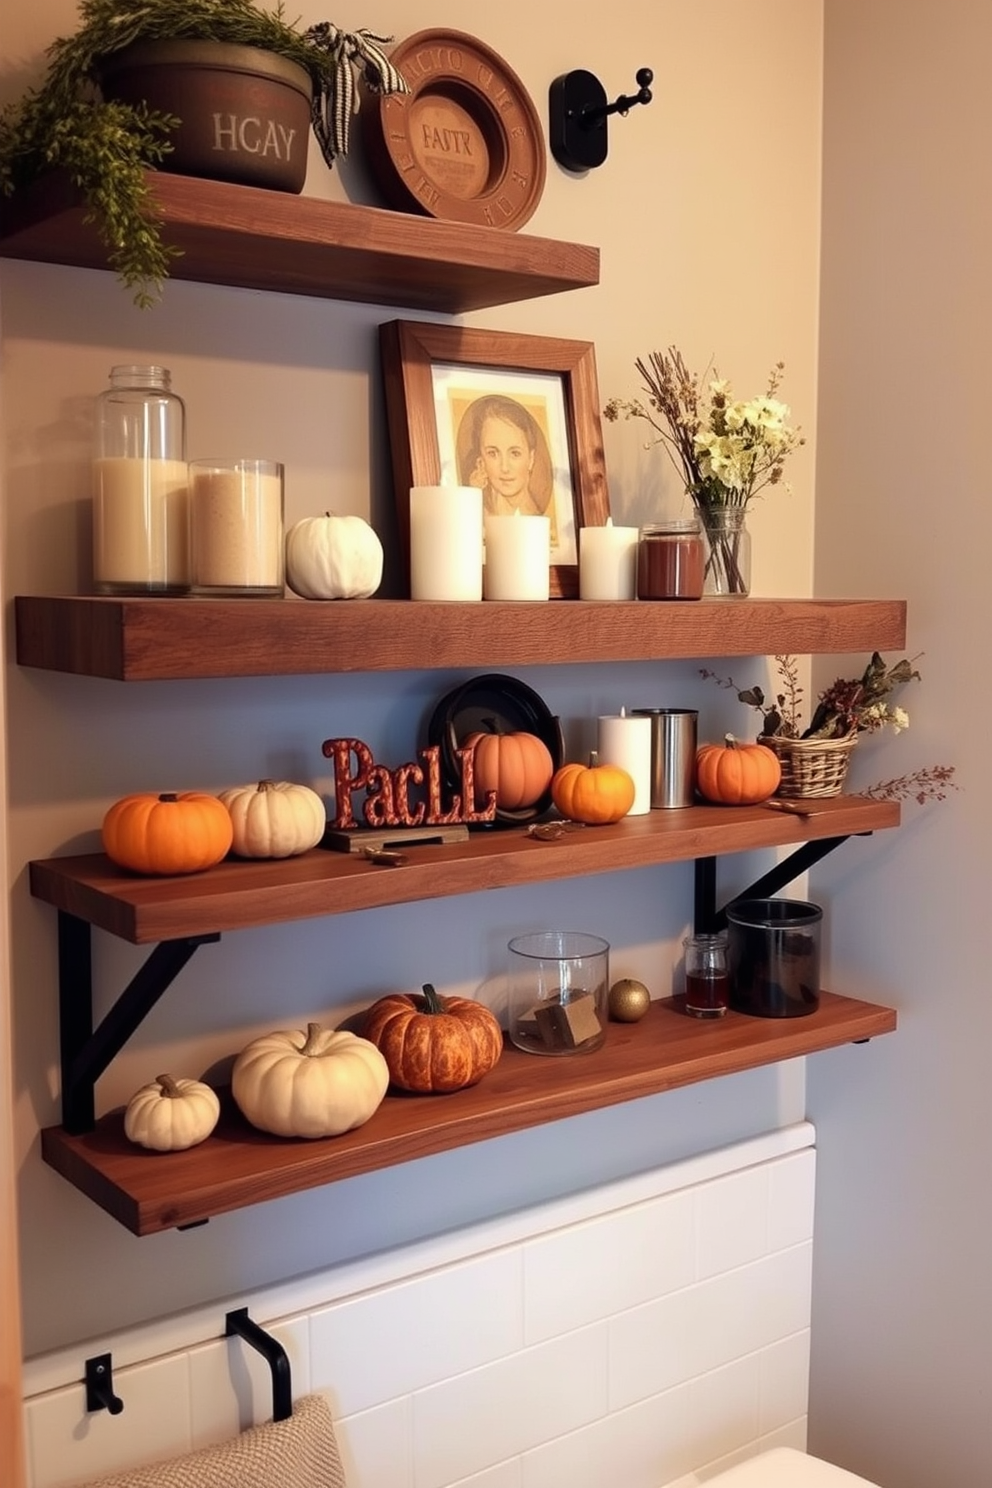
811 767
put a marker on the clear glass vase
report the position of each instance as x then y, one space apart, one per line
727 574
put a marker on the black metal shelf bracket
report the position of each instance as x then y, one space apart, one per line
239 1323
85 1051
707 919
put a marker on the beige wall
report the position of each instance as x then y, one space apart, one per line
707 214
901 1318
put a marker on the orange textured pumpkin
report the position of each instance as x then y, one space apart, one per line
176 832
432 1043
736 774
593 793
517 766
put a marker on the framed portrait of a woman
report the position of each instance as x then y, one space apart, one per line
514 416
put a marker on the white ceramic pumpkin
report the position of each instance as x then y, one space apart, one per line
332 557
274 819
170 1115
314 1084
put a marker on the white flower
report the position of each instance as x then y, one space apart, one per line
899 719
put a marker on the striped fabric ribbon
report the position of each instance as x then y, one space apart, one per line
349 52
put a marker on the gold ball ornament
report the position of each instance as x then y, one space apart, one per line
629 1000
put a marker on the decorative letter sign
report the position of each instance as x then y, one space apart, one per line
387 793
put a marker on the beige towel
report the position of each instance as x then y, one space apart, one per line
301 1452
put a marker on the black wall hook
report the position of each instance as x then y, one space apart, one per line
100 1385
577 115
238 1322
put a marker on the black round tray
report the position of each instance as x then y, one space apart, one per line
514 708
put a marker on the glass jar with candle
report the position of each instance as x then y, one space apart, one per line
671 558
140 503
237 539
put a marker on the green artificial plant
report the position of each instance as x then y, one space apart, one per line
105 147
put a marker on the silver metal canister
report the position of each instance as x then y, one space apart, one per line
673 755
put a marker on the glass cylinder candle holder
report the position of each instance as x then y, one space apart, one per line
140 509
558 989
237 544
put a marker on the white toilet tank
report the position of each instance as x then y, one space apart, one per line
783 1467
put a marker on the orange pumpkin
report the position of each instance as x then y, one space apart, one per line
593 793
517 766
176 832
736 774
433 1043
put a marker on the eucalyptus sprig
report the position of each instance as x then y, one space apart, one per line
105 147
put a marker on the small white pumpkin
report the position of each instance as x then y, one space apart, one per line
314 1084
274 819
332 557
171 1115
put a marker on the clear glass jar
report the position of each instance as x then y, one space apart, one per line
727 573
707 976
140 502
671 557
558 989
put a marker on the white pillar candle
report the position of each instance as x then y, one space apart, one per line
445 542
626 741
608 562
236 526
518 557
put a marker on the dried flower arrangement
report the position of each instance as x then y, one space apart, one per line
847 707
725 449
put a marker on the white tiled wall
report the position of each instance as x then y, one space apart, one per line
631 1337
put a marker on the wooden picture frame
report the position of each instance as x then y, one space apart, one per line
439 379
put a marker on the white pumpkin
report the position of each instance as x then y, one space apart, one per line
171 1115
313 1084
332 557
274 819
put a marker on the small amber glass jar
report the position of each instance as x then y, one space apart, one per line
671 557
707 979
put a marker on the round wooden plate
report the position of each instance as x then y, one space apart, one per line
465 144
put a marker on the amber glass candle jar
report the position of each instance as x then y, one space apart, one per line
671 558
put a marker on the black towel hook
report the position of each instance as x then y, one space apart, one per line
577 115
100 1385
238 1322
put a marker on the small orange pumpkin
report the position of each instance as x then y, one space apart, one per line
736 774
517 766
593 793
175 832
432 1043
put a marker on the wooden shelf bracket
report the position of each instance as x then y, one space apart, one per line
85 1051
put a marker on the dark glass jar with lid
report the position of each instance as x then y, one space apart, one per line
671 558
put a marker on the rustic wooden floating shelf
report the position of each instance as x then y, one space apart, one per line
238 1166
145 639
272 240
239 894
